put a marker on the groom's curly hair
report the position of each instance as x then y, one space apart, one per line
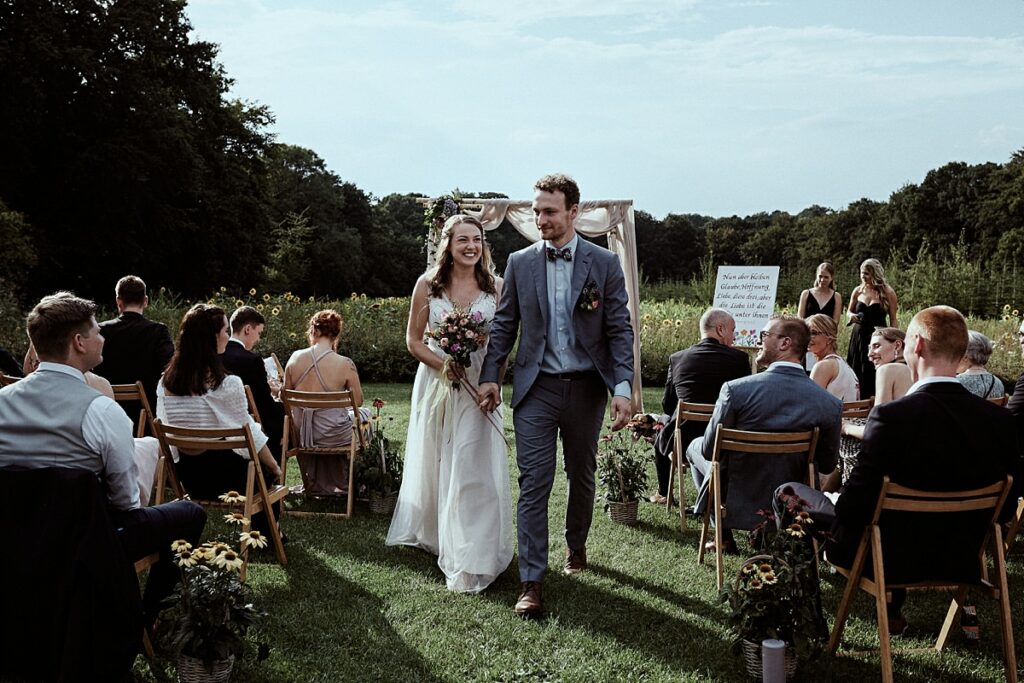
440 274
559 182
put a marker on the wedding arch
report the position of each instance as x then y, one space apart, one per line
611 218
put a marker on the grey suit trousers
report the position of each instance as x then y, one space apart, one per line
574 409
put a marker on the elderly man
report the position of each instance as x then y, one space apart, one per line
696 375
52 418
938 437
782 399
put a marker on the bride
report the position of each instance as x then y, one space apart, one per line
455 500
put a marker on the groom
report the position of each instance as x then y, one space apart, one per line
566 299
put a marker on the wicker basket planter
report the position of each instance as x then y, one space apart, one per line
752 658
383 503
192 670
623 513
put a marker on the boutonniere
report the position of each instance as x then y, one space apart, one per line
590 297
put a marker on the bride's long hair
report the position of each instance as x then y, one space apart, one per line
439 275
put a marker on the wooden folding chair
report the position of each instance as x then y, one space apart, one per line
5 380
280 368
319 400
1001 401
1011 532
894 497
860 408
685 412
142 565
740 441
258 496
165 474
253 410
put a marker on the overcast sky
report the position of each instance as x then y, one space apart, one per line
684 106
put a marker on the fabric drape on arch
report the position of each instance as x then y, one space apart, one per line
613 219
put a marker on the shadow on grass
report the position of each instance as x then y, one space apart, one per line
329 628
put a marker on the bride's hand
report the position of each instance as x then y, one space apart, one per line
455 372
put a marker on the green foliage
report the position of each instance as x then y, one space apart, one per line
288 263
380 467
622 467
209 614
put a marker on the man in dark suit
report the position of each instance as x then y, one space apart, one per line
565 299
136 349
781 399
1016 402
938 437
696 375
246 328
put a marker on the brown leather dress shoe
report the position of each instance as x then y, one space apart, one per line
575 561
529 604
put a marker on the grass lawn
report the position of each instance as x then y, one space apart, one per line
347 608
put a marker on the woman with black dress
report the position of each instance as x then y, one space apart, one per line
823 297
870 304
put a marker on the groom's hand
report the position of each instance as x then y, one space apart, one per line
620 412
489 395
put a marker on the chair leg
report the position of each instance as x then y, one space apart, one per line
705 525
1011 533
268 510
1005 618
248 508
351 479
881 611
719 554
671 481
161 480
681 473
952 618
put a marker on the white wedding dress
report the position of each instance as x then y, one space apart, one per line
455 499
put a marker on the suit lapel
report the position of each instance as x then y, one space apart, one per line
580 271
540 278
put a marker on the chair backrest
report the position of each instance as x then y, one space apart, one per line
277 364
694 412
742 441
903 499
253 410
135 393
318 400
858 408
7 379
1001 401
206 439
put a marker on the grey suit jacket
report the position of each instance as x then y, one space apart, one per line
605 333
782 399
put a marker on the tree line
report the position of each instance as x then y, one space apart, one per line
123 152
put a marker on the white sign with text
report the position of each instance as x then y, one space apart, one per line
748 293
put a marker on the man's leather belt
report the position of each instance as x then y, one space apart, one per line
571 376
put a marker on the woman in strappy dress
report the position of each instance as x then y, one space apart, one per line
455 500
321 368
870 303
821 298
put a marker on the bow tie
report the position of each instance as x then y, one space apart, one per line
555 254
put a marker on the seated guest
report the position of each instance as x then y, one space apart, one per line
147 448
696 375
975 377
1016 403
830 371
196 392
321 368
238 359
782 399
920 441
137 349
892 378
52 418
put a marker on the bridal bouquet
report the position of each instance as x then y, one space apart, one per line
459 334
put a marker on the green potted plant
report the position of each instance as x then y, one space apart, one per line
380 472
622 471
775 595
209 615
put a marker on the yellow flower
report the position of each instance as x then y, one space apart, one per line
351 296
223 289
755 584
769 579
266 297
207 551
252 292
292 335
1015 313
276 310
229 560
804 518
239 303
232 497
185 558
252 539
259 307
180 545
764 568
796 530
647 316
666 321
163 289
1006 307
235 518
679 323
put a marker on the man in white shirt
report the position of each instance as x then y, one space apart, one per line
54 419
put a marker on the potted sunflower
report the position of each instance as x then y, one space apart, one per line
622 471
209 615
380 471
